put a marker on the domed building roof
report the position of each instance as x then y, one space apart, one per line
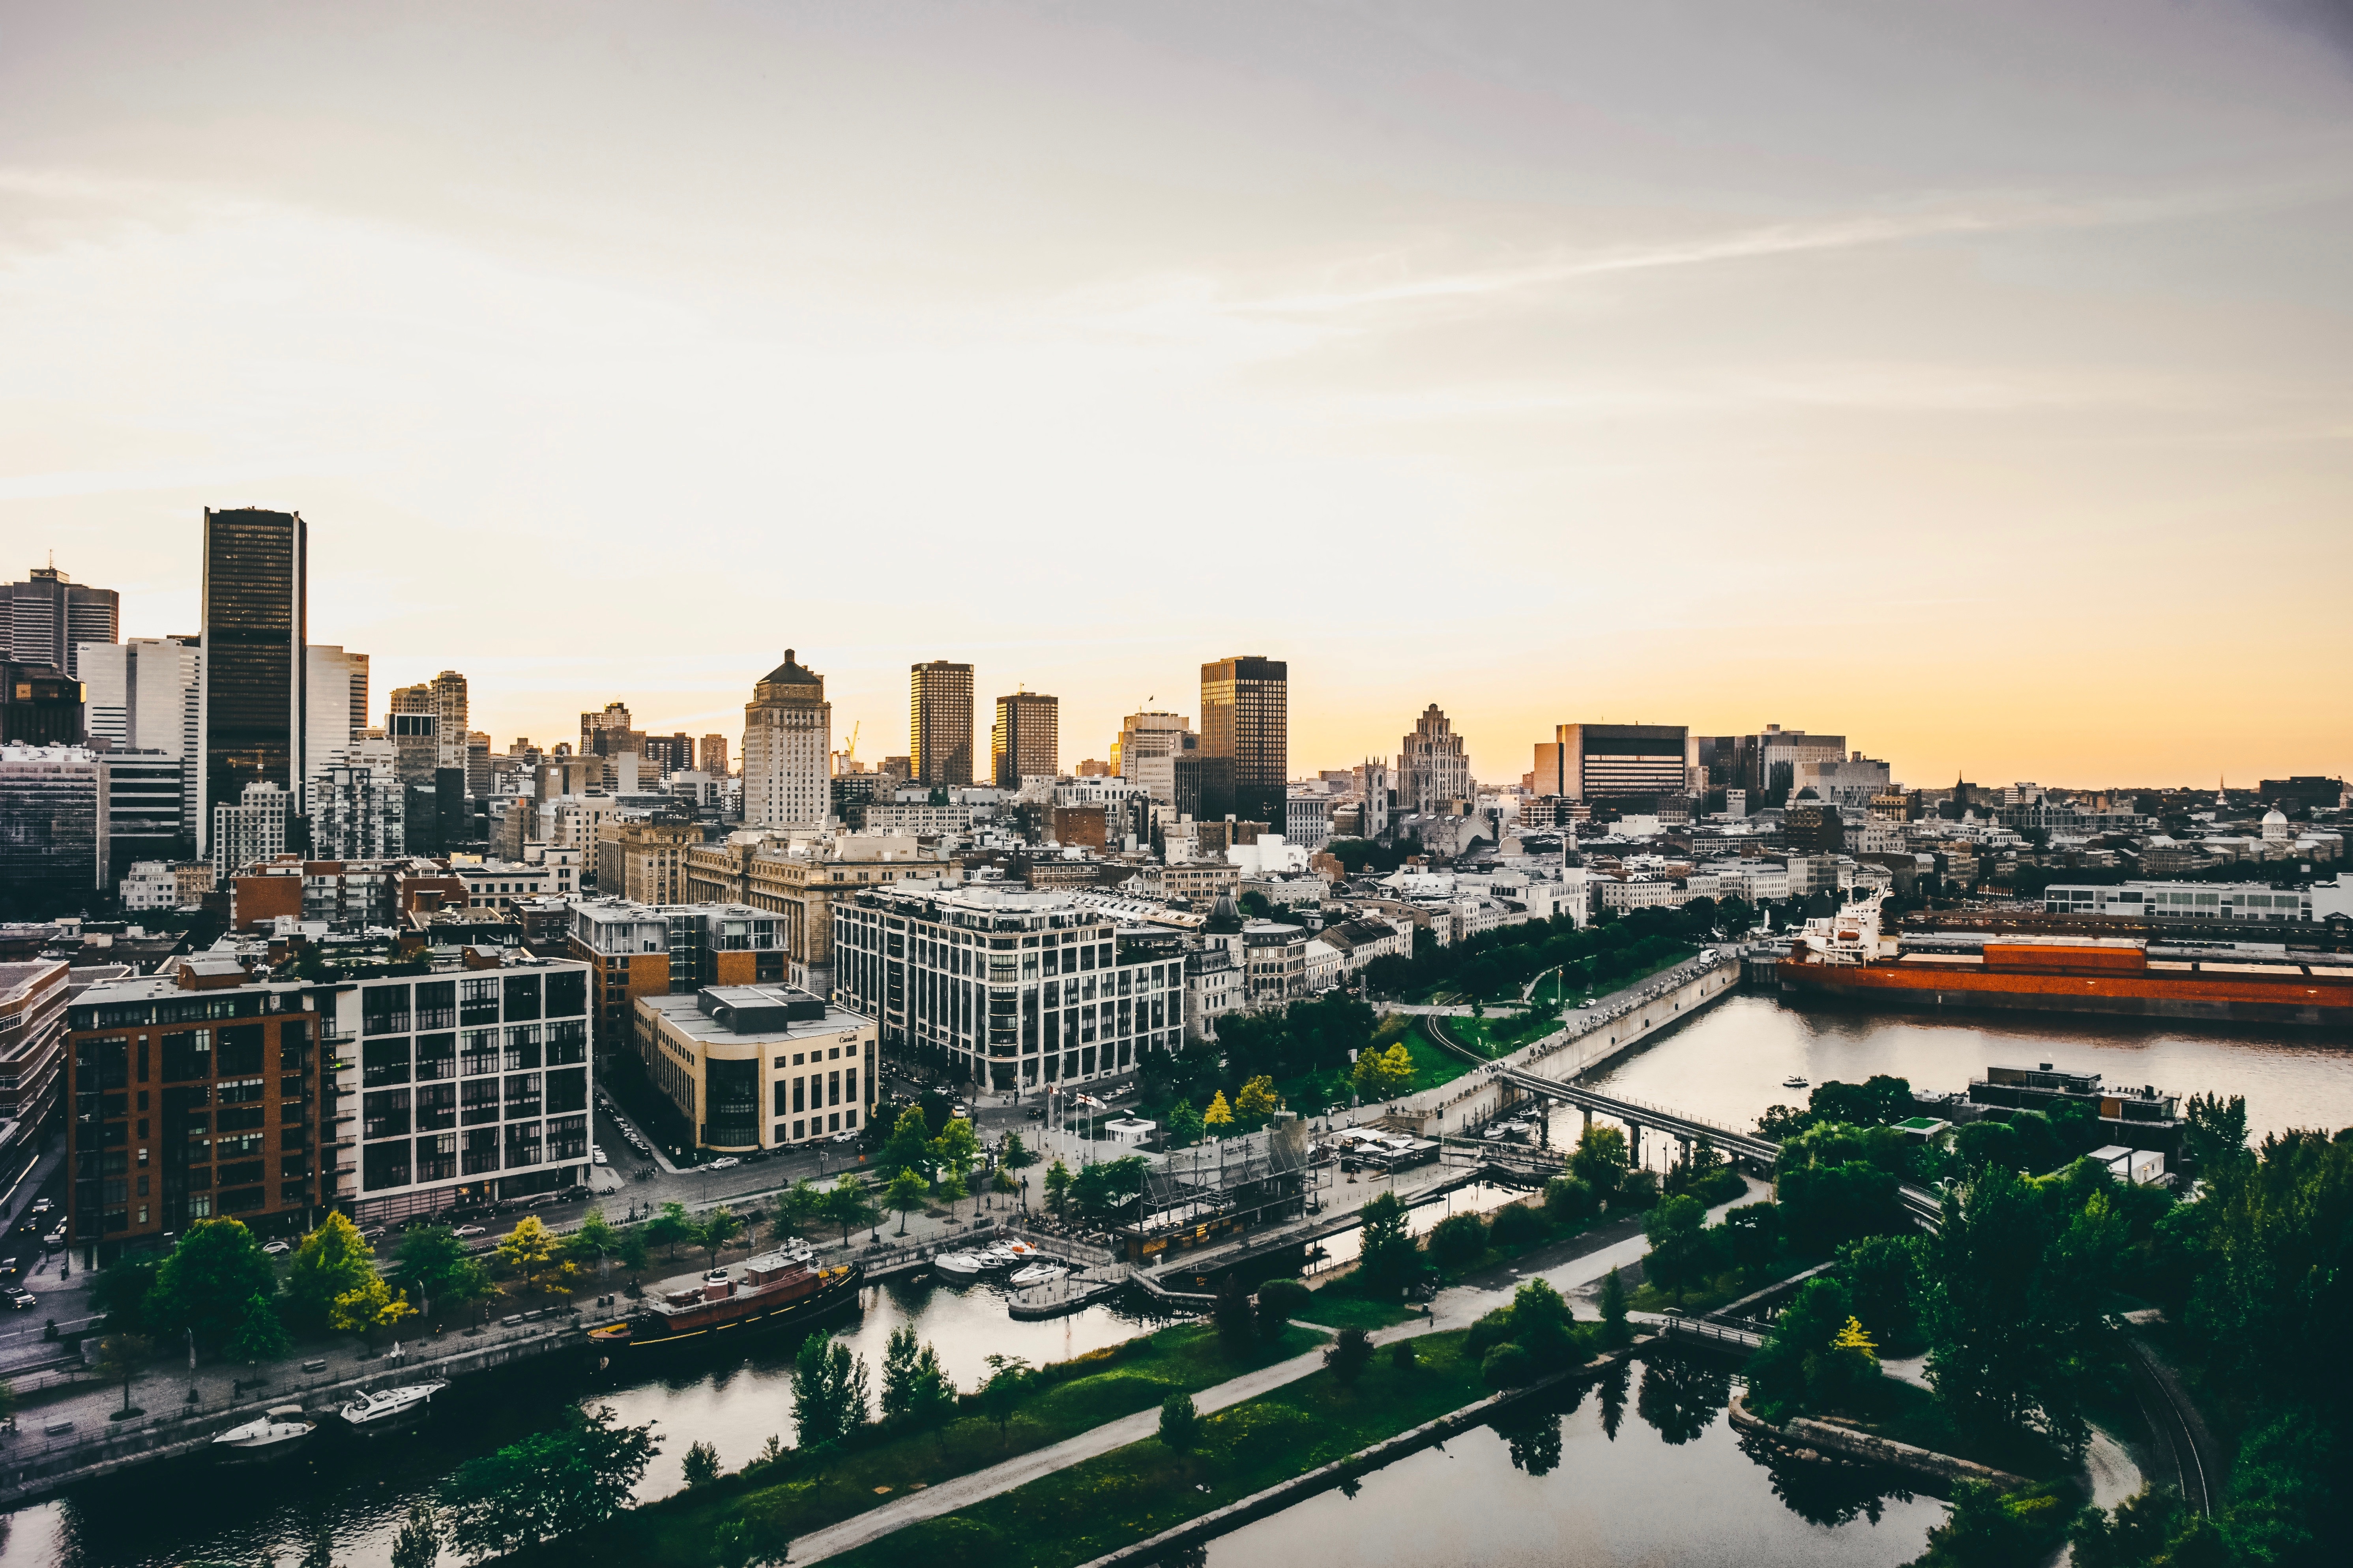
1225 917
1805 794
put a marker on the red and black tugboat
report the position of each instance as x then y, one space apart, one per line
772 1291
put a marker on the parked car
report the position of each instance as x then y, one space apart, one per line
277 1248
472 1230
724 1162
372 1233
55 1238
17 1295
597 1156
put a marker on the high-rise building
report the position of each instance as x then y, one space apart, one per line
40 705
1026 742
1765 765
357 808
939 723
356 665
616 716
1245 738
787 736
1589 763
331 723
413 722
449 707
254 606
253 830
713 759
46 619
49 815
142 696
1160 752
1431 769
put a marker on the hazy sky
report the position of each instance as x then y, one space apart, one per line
1975 380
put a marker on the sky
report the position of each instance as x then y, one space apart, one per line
1974 380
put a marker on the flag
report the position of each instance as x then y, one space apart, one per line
1089 1101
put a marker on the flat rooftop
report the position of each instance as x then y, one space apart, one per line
753 1014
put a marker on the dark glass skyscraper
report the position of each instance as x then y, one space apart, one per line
1245 739
255 626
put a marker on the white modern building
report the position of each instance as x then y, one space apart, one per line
253 830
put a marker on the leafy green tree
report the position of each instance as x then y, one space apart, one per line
1181 1424
631 1255
1384 1074
1278 1301
831 1397
1680 1253
799 1208
2004 1351
121 1358
1816 1357
1186 1125
1236 1320
1108 1189
120 1293
700 1466
1599 1160
1018 1156
329 1263
955 1151
1000 1395
670 1227
1507 1365
1057 1186
1348 1357
207 1283
849 1205
418 1545
595 1240
1751 1234
906 1194
1388 1258
574 1477
721 1227
1568 1200
433 1257
1614 1332
2214 1131
915 1391
909 1146
1458 1240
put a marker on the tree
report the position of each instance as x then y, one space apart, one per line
207 1282
632 1254
1218 1120
259 1336
1677 1231
700 1466
1107 1188
1257 1102
1001 1393
952 1189
1180 1423
370 1307
331 1263
909 1146
1018 1156
1458 1240
1614 1332
906 1194
121 1358
1568 1200
669 1228
1388 1256
1348 1356
1599 1160
1278 1301
1380 1075
915 1391
530 1249
123 1292
718 1227
434 1258
1236 1322
1057 1186
2214 1131
829 1392
799 1208
2002 1352
849 1205
574 1477
595 1240
1185 1125
418 1545
955 1151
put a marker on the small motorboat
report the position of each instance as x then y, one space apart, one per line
1039 1274
277 1433
390 1409
1794 1081
997 1257
958 1264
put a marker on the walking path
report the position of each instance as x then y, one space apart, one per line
1455 1308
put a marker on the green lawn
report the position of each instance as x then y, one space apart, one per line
1431 1065
1338 1307
1125 1496
799 1493
1499 1034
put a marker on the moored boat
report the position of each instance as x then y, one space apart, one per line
766 1291
959 1265
1039 1274
390 1409
277 1433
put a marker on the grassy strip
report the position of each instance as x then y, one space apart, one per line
802 1491
1431 1065
1908 1414
1335 1306
1132 1493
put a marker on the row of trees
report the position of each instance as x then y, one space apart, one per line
1497 966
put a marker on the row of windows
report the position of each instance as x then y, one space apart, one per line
475 1051
445 1156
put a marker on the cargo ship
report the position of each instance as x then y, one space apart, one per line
1849 956
772 1291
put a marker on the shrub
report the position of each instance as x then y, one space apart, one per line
1518 1226
1507 1366
1568 1200
1236 1326
1403 1353
1180 1423
1458 1239
1636 1190
1350 1355
1278 1301
1488 1333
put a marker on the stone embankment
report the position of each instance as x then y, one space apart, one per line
1802 1434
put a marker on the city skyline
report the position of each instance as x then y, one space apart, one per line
1626 378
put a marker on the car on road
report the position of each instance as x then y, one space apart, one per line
472 1230
372 1233
597 1156
843 1138
277 1248
42 1205
724 1163
55 1238
17 1295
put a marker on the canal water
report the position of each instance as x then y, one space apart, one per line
1650 1473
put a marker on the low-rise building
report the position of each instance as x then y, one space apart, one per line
758 1066
635 950
2237 902
165 884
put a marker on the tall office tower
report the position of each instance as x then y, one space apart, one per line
714 755
939 723
452 720
39 706
1624 763
1152 749
255 625
413 722
357 664
327 677
1431 768
787 735
477 763
142 695
1245 738
616 716
46 619
1026 742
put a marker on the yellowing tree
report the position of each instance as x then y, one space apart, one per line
1219 1117
1853 1338
370 1307
1257 1101
530 1250
1380 1074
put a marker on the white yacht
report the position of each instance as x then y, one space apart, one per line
959 1265
278 1432
1039 1274
390 1409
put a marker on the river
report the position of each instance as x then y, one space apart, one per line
1637 1497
